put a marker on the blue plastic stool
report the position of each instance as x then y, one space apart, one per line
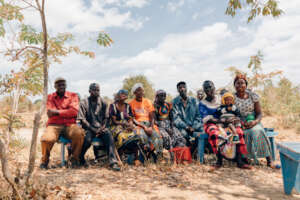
64 141
290 162
203 140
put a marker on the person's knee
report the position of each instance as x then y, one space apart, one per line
76 132
49 136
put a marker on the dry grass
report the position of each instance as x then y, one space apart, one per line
154 181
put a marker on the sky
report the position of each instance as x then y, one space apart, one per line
167 41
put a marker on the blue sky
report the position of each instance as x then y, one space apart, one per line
169 41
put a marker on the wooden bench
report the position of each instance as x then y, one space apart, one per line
290 162
203 141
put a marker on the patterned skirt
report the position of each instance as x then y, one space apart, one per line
122 136
258 144
171 136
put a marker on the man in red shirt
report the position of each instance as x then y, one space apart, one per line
62 108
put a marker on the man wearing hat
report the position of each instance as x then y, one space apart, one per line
93 119
144 113
62 108
186 116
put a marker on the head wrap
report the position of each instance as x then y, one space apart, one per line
240 76
93 86
136 86
122 91
160 92
227 94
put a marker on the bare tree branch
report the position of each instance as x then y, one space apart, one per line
19 51
5 169
30 4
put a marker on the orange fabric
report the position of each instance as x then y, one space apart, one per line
141 109
67 106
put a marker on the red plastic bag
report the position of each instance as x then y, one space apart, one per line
182 154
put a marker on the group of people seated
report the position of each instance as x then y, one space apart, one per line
144 129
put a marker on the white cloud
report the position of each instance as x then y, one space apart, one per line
174 6
136 3
188 57
77 17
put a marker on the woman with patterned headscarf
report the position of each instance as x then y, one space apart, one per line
258 144
122 127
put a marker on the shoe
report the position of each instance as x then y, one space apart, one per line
44 166
244 166
214 168
115 167
74 163
273 166
83 163
246 161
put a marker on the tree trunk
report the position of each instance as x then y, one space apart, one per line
38 115
5 169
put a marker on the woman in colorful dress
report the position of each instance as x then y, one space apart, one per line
122 128
258 144
172 139
208 110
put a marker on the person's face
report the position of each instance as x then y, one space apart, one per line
209 90
200 95
182 90
95 91
228 101
139 93
161 97
60 87
240 85
122 97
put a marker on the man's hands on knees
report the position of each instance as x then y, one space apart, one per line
190 129
100 131
52 112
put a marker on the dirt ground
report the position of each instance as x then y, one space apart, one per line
157 182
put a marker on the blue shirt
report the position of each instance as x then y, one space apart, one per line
186 116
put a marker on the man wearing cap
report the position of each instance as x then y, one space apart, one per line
143 113
93 119
186 116
62 108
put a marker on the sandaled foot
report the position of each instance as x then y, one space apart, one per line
115 167
244 166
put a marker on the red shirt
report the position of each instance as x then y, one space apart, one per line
67 107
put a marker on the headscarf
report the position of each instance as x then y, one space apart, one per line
136 86
227 94
158 92
122 91
240 76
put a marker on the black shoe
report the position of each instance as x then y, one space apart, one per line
83 163
74 163
115 167
43 166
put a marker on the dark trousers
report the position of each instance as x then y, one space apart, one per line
108 142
